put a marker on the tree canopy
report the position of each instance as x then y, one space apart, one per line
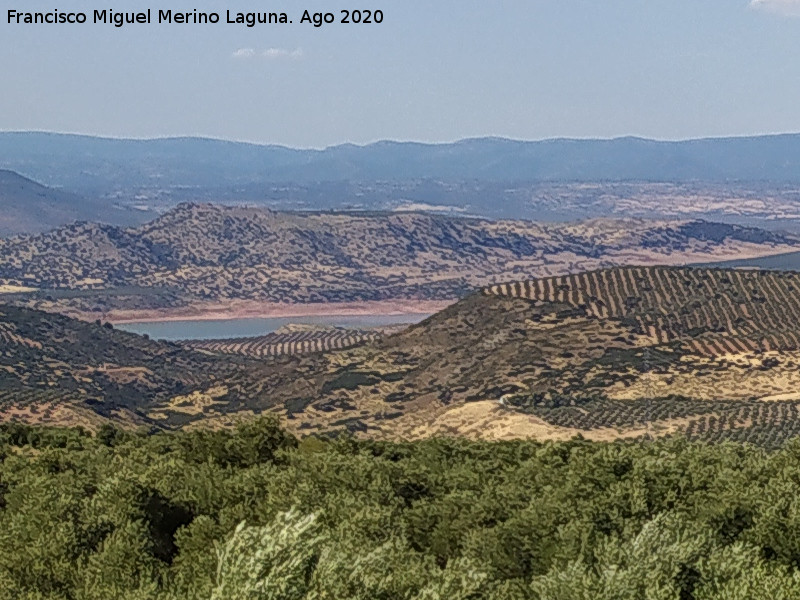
254 513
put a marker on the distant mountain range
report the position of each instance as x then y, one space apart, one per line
90 164
748 181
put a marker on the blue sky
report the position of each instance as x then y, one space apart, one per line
433 71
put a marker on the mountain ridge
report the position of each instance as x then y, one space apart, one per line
81 162
392 141
211 253
27 206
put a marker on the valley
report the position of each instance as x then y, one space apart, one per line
423 301
404 326
616 353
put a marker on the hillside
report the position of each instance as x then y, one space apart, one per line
712 353
54 369
212 255
289 340
87 164
27 207
61 371
623 352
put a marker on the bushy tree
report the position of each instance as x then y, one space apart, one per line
250 513
273 562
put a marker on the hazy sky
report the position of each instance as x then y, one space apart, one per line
433 71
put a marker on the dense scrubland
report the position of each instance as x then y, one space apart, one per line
255 513
200 255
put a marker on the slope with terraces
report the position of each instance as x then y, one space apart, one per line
610 353
614 353
712 311
288 340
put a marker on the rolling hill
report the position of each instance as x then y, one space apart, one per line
208 255
627 352
54 369
27 206
63 371
622 352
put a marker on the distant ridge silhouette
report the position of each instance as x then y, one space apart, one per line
83 163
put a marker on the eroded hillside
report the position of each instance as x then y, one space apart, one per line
212 254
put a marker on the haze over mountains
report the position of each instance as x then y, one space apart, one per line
29 207
752 180
86 163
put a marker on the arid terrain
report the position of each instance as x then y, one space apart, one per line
201 259
610 353
621 352
538 329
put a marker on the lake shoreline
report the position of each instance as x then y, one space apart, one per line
239 309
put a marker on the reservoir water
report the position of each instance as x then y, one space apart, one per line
777 262
251 327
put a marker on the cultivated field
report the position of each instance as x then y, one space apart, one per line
717 312
615 353
290 340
